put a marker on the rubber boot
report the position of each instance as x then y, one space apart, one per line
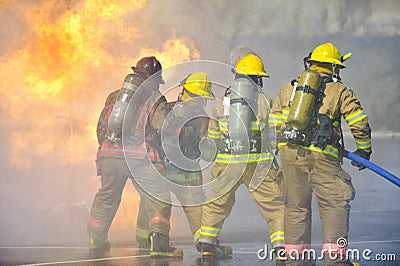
98 248
227 250
160 248
337 260
211 252
280 256
223 250
143 246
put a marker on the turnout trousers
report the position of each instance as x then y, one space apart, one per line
307 172
262 183
114 173
187 187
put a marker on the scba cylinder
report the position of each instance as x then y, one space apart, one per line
243 103
130 85
300 112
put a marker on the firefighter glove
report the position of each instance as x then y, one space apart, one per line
324 132
208 149
362 154
321 142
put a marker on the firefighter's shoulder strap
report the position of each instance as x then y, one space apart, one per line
102 124
324 133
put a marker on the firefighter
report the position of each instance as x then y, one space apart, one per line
185 127
307 113
114 168
242 158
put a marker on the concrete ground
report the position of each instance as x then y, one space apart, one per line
374 235
125 254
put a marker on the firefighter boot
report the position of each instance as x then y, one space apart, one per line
143 246
160 248
223 251
98 248
280 256
214 252
227 250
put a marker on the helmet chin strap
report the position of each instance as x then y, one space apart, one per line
334 74
260 84
306 61
180 96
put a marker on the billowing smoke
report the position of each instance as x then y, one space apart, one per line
60 59
283 34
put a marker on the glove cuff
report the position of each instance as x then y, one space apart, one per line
363 153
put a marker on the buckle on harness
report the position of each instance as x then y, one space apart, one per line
237 147
294 136
113 138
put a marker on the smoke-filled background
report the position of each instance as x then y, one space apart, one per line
60 59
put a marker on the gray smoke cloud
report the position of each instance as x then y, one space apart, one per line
42 202
283 34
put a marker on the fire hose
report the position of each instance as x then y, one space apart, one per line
373 167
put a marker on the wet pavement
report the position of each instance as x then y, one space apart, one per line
374 236
244 254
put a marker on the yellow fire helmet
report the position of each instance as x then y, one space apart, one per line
250 64
328 53
198 84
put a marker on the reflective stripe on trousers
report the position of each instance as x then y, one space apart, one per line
225 158
142 233
277 239
209 231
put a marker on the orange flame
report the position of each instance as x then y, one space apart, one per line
56 82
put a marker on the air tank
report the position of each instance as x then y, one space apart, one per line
130 85
300 112
243 102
